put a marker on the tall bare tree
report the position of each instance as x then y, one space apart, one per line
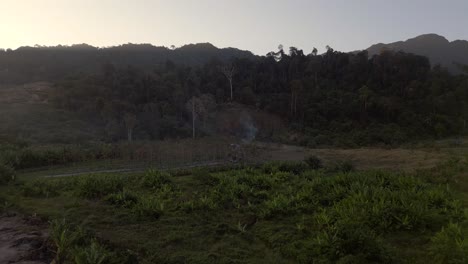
296 89
196 107
229 71
130 122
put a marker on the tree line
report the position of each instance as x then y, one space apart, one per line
329 98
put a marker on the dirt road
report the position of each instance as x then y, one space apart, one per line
363 158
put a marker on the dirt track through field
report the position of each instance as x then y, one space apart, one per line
364 158
131 170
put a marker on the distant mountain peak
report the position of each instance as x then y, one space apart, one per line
432 39
437 48
205 45
431 36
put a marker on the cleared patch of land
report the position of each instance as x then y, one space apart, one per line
258 152
23 240
363 158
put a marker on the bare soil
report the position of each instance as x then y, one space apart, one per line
23 240
28 93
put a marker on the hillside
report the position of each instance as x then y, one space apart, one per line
143 92
437 48
40 63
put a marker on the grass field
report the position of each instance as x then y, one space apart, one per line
284 212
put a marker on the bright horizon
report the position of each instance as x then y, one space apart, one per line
248 25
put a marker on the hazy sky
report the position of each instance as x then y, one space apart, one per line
256 25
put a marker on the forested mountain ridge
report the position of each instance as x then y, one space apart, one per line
326 99
437 48
335 98
42 63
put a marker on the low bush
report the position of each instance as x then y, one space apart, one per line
304 214
7 174
124 198
95 253
155 179
278 205
449 246
148 207
74 244
64 237
41 189
97 186
348 244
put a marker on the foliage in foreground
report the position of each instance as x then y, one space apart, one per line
7 174
75 244
449 246
304 215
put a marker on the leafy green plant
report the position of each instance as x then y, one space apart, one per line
154 179
278 205
148 207
97 186
64 236
241 227
124 198
449 246
95 253
41 188
7 174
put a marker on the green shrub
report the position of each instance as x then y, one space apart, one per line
278 205
349 244
313 174
124 198
205 203
449 246
256 180
7 174
148 207
97 186
314 162
64 237
154 179
40 188
93 254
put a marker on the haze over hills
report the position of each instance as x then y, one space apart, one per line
437 48
42 63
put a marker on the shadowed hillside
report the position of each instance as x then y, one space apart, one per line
437 48
41 63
